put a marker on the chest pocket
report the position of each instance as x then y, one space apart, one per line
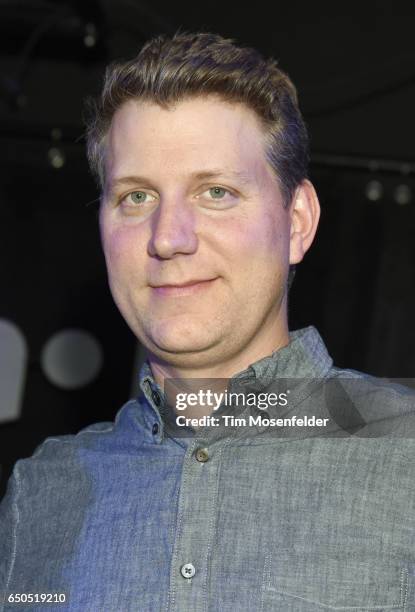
309 587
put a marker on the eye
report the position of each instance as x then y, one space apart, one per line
217 193
138 197
218 198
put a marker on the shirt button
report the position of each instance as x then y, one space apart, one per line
156 398
202 455
155 429
188 570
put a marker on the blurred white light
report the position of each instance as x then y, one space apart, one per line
91 35
374 191
403 194
56 157
72 358
13 361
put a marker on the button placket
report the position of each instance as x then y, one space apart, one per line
197 508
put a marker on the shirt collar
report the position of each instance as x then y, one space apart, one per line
305 357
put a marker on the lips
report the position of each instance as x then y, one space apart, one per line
186 284
187 288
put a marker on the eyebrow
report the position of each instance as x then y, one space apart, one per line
215 173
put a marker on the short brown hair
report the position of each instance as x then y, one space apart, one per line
168 70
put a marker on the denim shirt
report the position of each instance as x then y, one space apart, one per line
131 516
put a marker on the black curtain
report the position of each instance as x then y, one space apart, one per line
357 283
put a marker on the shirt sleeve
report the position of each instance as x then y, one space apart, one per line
8 526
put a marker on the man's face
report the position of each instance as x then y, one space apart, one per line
190 197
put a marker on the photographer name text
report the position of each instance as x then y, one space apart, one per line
229 420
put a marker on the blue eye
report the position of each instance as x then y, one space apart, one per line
218 193
138 197
218 198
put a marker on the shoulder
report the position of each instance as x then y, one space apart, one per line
53 463
53 447
387 405
61 448
390 388
54 484
60 462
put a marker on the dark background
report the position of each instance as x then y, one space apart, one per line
355 75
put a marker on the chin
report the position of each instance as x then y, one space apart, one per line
171 339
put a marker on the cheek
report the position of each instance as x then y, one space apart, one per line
120 248
262 241
265 252
276 238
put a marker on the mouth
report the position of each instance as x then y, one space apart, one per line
181 289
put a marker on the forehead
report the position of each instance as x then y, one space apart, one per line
196 133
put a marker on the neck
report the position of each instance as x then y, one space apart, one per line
215 370
230 364
214 376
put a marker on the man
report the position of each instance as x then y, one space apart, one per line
307 505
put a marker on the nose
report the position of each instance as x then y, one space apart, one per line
173 230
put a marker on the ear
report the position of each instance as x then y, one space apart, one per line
305 214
